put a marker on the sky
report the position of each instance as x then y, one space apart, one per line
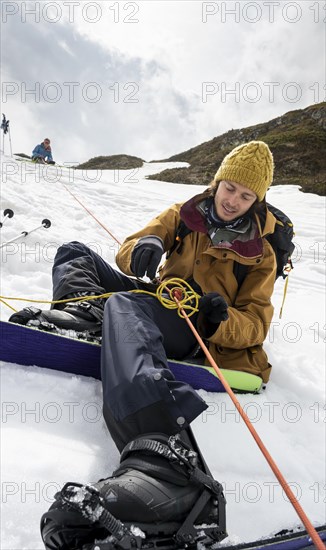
154 78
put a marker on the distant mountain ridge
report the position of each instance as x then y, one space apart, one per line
297 140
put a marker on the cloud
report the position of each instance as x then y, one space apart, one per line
66 48
114 101
154 78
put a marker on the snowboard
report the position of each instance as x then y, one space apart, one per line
284 540
30 346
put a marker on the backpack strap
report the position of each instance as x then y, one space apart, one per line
240 272
182 231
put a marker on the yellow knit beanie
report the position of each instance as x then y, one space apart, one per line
250 165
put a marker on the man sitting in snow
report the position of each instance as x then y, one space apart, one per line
162 480
42 153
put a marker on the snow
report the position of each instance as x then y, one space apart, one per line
52 427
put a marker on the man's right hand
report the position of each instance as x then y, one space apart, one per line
146 256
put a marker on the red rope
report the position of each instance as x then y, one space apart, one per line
91 214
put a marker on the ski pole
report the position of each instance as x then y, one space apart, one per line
176 295
5 128
8 213
10 144
45 223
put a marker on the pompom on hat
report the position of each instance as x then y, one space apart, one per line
250 165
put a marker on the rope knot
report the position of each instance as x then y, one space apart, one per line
178 294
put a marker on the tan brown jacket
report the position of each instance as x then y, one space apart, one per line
237 343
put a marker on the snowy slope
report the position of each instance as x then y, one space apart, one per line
52 429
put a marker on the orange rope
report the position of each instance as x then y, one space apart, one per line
289 493
91 214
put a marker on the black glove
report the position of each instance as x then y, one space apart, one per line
214 307
146 256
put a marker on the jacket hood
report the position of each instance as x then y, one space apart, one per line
191 216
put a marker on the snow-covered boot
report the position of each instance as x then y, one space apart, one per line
80 316
159 497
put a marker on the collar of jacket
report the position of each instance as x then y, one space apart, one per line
251 248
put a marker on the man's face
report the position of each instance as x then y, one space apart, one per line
46 143
233 200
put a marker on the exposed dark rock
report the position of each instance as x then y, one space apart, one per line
112 162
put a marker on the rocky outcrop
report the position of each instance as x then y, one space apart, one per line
297 140
112 162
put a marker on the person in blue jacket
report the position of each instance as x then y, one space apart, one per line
42 152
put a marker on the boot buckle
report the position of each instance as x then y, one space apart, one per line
182 452
84 305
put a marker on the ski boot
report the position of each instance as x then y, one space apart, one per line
161 496
79 316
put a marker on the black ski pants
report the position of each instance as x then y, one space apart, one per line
140 393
